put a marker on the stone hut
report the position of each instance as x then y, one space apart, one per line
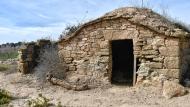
126 45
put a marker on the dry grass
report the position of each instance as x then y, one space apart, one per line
4 67
49 63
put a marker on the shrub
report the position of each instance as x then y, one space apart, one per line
5 97
70 29
50 63
41 101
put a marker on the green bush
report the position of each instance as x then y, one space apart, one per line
8 55
5 97
41 101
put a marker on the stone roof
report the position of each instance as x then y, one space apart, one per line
144 17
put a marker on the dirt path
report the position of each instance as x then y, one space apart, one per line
25 87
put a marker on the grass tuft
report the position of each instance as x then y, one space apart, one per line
5 97
41 101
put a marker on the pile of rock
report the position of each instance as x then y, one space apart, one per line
173 89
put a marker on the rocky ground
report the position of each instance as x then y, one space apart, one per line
25 87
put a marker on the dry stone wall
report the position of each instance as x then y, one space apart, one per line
89 52
28 55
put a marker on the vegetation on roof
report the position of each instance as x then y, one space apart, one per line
70 29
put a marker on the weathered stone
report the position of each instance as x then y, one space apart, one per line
154 65
81 72
125 34
150 52
172 42
170 73
84 39
172 62
146 34
136 52
68 60
172 89
137 48
159 59
158 41
172 51
139 44
95 45
147 47
66 53
72 68
143 70
68 48
104 44
100 34
150 56
178 32
104 50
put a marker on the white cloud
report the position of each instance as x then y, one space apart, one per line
44 16
15 34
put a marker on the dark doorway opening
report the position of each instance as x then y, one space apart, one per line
122 62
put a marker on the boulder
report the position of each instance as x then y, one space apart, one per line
173 89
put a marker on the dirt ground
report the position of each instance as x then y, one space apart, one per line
24 87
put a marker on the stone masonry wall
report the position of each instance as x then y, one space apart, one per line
28 55
89 53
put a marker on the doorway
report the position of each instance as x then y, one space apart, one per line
122 62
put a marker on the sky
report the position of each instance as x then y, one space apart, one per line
29 20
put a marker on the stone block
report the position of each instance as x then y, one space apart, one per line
172 42
145 33
158 41
172 62
99 34
154 65
85 39
95 45
172 51
68 60
150 52
143 70
125 34
108 34
173 89
139 43
137 48
104 44
158 59
171 73
72 68
104 59
106 24
147 47
150 56
65 53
